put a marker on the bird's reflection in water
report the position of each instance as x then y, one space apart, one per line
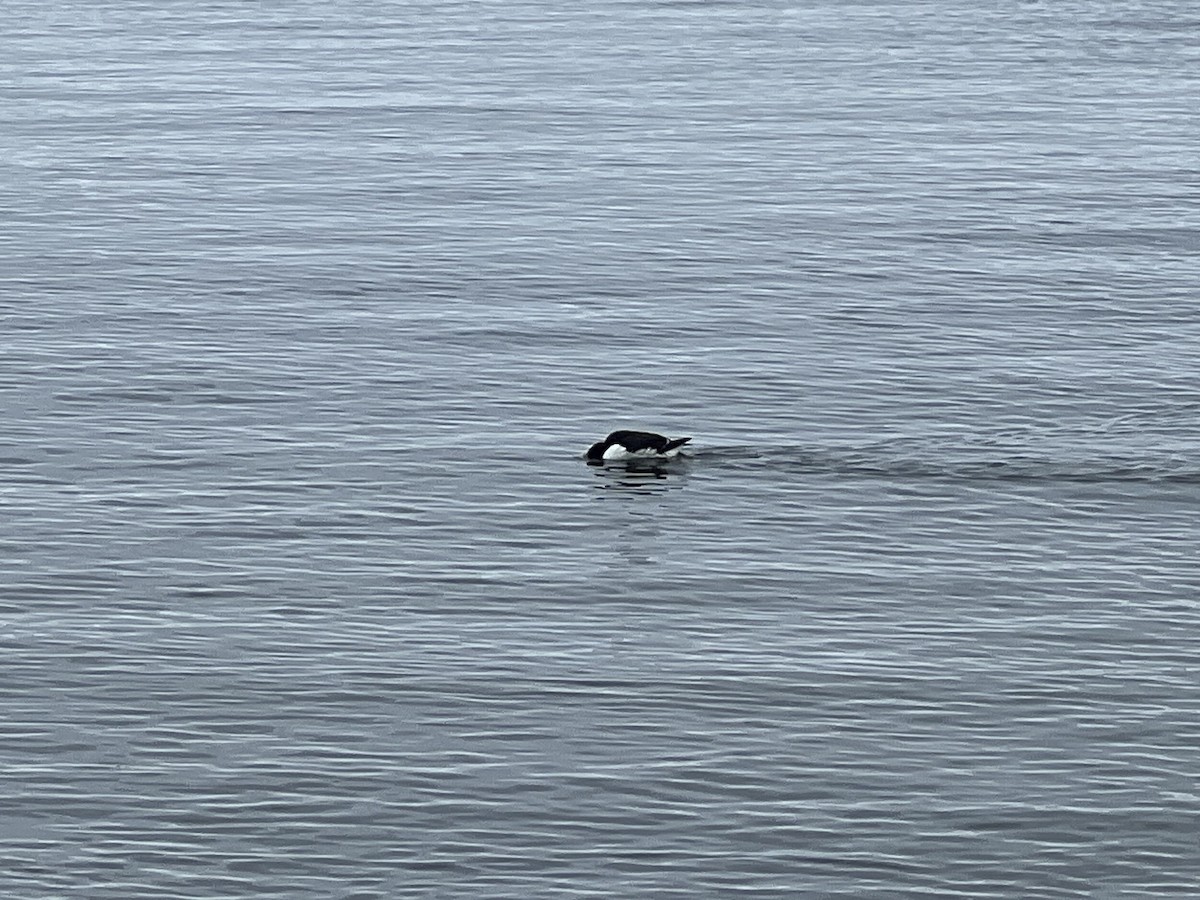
638 476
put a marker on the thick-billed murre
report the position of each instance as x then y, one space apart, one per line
635 445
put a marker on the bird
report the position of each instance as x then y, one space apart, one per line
635 445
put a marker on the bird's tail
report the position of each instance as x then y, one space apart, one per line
675 444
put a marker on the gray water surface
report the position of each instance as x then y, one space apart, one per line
309 312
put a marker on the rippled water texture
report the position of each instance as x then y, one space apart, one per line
310 311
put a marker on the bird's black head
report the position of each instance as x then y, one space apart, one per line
596 451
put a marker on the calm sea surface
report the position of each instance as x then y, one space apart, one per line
309 310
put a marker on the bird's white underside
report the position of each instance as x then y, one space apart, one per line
618 451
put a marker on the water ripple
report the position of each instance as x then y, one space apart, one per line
306 592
